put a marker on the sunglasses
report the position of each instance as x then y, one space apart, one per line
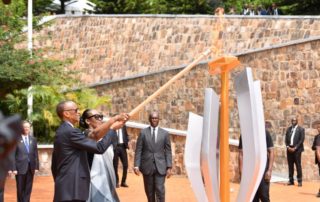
98 117
75 110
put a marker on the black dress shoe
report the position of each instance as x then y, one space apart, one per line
124 185
117 186
300 184
290 183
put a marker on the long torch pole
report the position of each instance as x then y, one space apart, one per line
224 139
166 85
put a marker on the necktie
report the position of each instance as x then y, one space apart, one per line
154 135
26 143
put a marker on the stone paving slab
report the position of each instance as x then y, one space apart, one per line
177 190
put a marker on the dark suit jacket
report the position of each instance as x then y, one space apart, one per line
70 167
147 152
22 157
297 140
125 137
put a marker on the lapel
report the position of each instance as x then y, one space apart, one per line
160 136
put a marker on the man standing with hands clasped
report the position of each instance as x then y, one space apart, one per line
153 159
25 163
294 143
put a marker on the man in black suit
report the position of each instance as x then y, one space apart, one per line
70 167
263 191
153 159
10 132
275 10
120 151
316 148
294 143
25 164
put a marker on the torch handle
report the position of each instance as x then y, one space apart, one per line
166 85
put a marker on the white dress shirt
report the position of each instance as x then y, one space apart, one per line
293 130
155 132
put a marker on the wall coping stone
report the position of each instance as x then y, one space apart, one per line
45 146
132 124
189 16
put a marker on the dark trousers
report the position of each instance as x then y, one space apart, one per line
24 186
2 184
262 192
120 152
294 159
154 186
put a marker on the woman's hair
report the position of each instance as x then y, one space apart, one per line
83 118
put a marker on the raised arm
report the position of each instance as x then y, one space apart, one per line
114 123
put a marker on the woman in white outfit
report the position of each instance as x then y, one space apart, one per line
103 180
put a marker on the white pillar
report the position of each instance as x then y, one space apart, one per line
30 26
30 97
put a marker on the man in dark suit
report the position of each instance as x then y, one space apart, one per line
10 132
25 164
153 159
263 191
70 167
294 143
275 10
120 151
316 148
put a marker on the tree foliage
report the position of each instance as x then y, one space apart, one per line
45 99
18 69
289 7
301 7
152 6
49 78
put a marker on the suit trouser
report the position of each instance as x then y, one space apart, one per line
24 185
2 183
154 186
120 152
262 192
1 195
294 158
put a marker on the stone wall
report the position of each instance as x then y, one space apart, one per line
110 47
290 86
129 57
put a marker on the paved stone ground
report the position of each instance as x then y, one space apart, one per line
177 190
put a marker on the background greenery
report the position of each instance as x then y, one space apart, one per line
50 81
289 7
49 78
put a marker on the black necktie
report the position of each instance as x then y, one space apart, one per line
154 134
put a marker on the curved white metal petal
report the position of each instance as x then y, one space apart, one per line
192 156
210 145
253 134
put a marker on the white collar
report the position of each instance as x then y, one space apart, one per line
156 128
69 124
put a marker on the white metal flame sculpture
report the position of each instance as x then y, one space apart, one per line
202 148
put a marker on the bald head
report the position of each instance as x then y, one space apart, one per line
154 119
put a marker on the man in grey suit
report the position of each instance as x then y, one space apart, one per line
25 164
153 159
70 168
